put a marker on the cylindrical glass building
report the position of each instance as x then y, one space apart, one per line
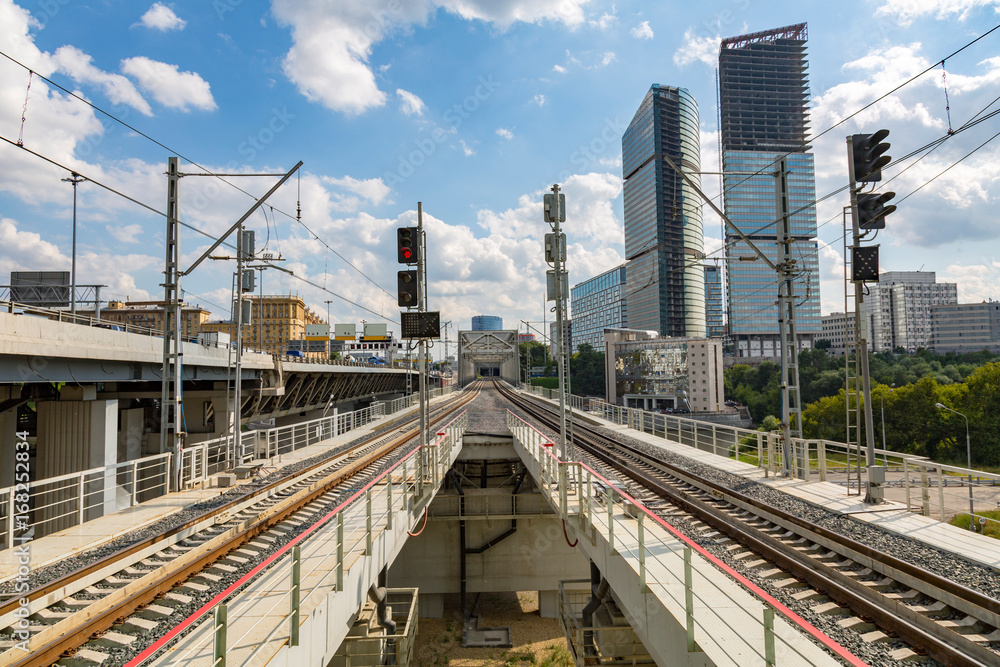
664 242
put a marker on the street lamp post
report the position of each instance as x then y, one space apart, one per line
75 179
968 454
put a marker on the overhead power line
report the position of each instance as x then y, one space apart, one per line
179 154
185 224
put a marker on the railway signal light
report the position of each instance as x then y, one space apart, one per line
409 288
869 158
872 209
407 245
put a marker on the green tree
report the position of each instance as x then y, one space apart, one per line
587 372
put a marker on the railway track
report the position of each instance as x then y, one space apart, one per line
103 612
874 593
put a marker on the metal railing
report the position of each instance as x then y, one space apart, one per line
61 502
59 315
380 648
64 501
317 561
596 644
930 488
689 579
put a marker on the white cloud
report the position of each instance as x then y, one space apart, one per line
559 69
506 12
468 150
126 233
412 105
605 21
504 133
698 48
80 67
160 17
372 189
905 11
882 69
589 60
642 31
539 99
169 86
332 40
25 250
976 282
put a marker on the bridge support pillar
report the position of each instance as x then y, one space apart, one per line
8 442
548 604
431 605
75 435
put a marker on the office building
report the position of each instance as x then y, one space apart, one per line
597 304
643 371
838 329
763 99
899 309
714 307
149 315
965 327
275 320
663 226
487 323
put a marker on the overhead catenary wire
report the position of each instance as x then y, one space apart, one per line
878 99
186 225
205 169
316 237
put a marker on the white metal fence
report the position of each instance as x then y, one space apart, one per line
688 579
316 562
930 488
61 502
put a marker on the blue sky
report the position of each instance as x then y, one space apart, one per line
474 107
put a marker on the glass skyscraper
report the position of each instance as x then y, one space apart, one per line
487 323
764 92
598 304
713 301
663 225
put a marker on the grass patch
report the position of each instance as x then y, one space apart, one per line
992 527
558 656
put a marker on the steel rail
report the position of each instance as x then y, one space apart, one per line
11 604
94 621
940 643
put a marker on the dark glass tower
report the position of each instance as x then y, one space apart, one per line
764 92
663 229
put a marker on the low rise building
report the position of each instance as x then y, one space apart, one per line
899 309
275 321
838 328
644 371
149 315
965 327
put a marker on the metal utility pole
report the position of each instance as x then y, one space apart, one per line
422 307
791 400
785 275
865 160
241 252
75 179
852 362
861 330
171 399
555 254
